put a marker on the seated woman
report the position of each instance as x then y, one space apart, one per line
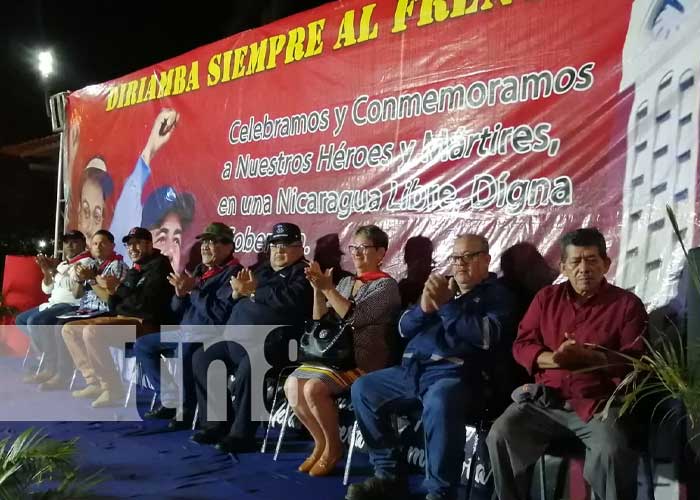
371 302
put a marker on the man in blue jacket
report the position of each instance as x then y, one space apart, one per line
277 293
201 301
451 333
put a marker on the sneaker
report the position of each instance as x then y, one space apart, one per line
89 392
109 399
55 383
39 378
377 488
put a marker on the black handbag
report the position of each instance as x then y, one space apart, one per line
329 342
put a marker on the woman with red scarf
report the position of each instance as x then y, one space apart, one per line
370 301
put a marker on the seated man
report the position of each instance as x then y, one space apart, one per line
278 293
558 336
60 283
202 299
141 300
451 333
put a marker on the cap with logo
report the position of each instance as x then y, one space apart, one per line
138 233
216 231
285 232
165 200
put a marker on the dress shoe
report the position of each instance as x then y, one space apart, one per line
310 461
160 413
206 436
38 378
55 383
230 444
324 466
182 424
89 392
377 488
109 399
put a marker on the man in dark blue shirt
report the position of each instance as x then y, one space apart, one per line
451 333
277 293
202 302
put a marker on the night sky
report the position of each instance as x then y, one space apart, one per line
90 39
92 42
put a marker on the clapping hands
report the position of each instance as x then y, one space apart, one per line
243 284
436 292
182 282
319 280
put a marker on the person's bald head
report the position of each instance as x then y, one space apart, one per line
470 260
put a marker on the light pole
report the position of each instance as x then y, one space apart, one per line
45 65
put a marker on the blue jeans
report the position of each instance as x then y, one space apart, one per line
148 350
43 329
441 389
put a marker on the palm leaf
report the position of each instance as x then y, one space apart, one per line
32 460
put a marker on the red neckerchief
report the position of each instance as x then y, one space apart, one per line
214 270
78 257
108 261
372 276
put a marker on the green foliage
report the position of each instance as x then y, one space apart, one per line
663 372
33 460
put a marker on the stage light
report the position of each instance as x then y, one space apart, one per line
45 63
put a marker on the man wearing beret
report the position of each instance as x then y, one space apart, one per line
141 300
277 293
202 301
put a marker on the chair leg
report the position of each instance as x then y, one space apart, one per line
72 380
26 355
196 415
287 411
272 414
132 382
648 464
41 363
472 463
543 480
153 401
348 461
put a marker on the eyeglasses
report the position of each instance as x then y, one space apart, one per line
284 246
464 258
95 214
361 249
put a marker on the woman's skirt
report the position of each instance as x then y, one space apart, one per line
337 381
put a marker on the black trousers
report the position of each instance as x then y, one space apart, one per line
237 422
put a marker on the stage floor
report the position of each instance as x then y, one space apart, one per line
144 460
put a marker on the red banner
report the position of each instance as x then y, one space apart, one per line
516 119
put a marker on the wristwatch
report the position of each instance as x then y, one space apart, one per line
252 296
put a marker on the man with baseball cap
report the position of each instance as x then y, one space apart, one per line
202 300
277 293
141 300
60 284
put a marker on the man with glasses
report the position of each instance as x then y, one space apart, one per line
202 299
277 293
451 334
570 330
